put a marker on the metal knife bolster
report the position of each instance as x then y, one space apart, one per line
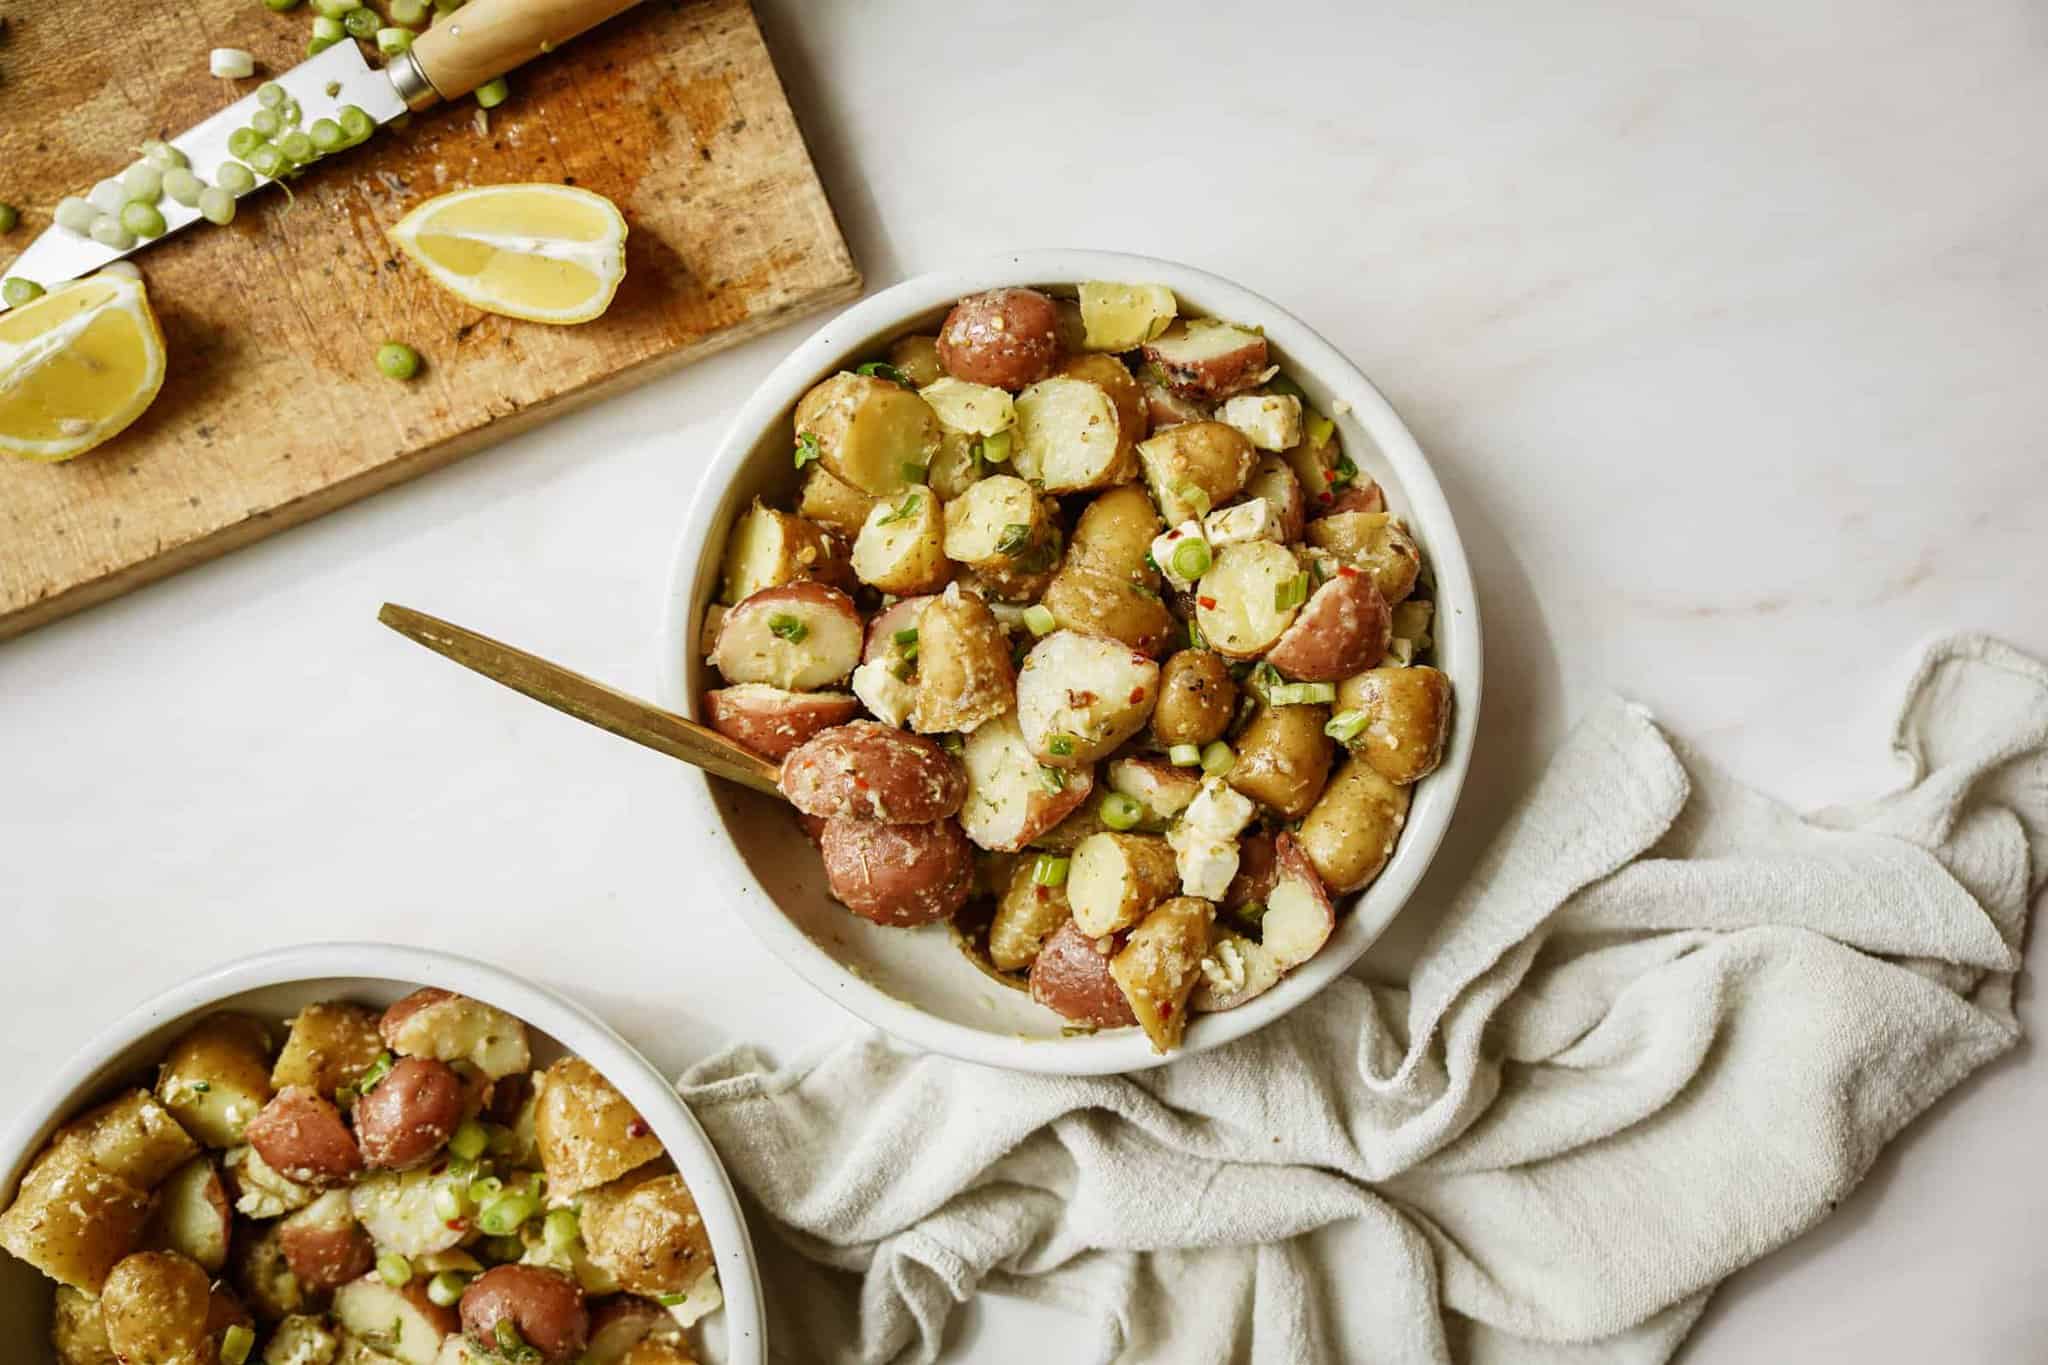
411 82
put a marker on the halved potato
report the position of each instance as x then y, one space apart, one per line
397 1209
870 433
1121 608
799 637
301 1136
324 1244
1163 789
1375 543
1114 534
403 1323
831 501
587 1132
871 771
1159 967
328 1045
1001 524
1011 799
1344 628
771 721
71 1220
1407 716
539 1306
1115 879
901 549
1299 917
1196 466
645 1229
133 1137
964 671
1123 317
78 1332
1133 420
1071 977
916 358
1079 696
445 1027
898 875
216 1077
882 645
1069 438
1209 359
972 409
1283 758
1350 833
192 1216
1026 915
767 548
1275 480
1239 602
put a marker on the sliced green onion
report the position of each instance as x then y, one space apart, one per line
289 112
503 1215
784 626
1185 755
906 636
243 141
17 291
806 448
9 216
394 1269
183 186
445 1289
1015 537
271 95
75 215
234 177
503 1140
1049 870
1301 694
298 147
1121 812
1218 758
236 1343
411 13
492 93
374 1072
144 220
335 9
1345 725
266 160
361 23
231 63
280 6
327 136
504 1248
1191 559
913 472
1291 594
448 1203
396 360
559 1229
447 6
1040 620
356 124
484 1189
1195 496
395 41
1060 746
902 511
163 155
996 449
470 1140
317 45
1195 640
510 1343
1052 779
669 1300
264 123
107 196
882 369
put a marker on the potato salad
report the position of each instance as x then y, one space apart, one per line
1080 630
365 1187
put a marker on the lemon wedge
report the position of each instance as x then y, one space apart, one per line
76 367
546 253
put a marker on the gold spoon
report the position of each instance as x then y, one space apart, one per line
586 699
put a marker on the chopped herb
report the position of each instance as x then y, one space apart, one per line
1291 594
906 636
787 627
995 449
913 472
374 1073
878 369
806 448
903 511
1052 779
1049 869
1195 640
1060 746
953 744
1015 537
1251 912
1345 474
668 1300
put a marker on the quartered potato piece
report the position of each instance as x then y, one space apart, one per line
1071 977
1123 317
832 502
1246 601
873 772
72 1220
1209 360
964 671
1069 437
1026 916
216 1077
898 875
1344 628
1197 698
771 721
1283 758
972 409
1194 467
1375 543
1133 419
901 548
1079 696
1115 879
328 1046
1011 798
870 433
799 637
1162 788
1160 965
448 1027
586 1131
767 548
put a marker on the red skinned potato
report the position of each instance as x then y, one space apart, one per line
799 637
1010 799
1071 978
964 675
1275 480
1005 338
1342 630
448 1027
545 1306
1208 360
1258 869
403 1120
324 1244
874 772
771 721
899 615
301 1136
407 1324
898 875
1362 496
192 1215
1299 917
1165 408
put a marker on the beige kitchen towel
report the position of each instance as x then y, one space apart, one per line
1664 1027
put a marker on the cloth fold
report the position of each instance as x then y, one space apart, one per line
1666 1024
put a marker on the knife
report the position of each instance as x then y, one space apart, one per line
476 43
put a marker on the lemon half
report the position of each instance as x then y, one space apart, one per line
76 367
546 253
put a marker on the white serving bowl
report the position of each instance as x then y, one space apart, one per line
916 984
275 985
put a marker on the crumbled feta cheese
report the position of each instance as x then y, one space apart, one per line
1218 810
1164 546
1207 864
301 1340
1223 968
882 692
1252 519
1270 421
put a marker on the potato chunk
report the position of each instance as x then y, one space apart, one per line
329 1045
870 433
1079 696
1160 965
133 1137
216 1077
447 1027
1115 879
1123 317
1196 466
964 671
1247 600
157 1306
1069 437
901 547
767 548
645 1229
1026 916
72 1220
588 1133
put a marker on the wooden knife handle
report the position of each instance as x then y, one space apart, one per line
486 38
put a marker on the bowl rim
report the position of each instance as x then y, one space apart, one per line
573 1026
887 313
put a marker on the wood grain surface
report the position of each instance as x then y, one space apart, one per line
273 410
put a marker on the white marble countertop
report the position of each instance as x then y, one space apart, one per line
1725 333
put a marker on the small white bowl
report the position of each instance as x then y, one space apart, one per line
275 985
916 984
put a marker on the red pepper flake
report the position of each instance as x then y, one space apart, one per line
1166 1009
638 1128
458 1225
1346 571
860 784
1208 603
1325 497
1137 695
1329 476
1042 892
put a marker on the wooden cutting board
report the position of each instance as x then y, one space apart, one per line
273 410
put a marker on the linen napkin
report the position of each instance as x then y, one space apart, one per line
1663 1028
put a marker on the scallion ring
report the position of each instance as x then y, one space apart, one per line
107 196
236 1343
234 177
163 155
1121 812
280 6
395 41
1039 620
9 217
183 186
1218 758
445 1289
231 63
17 291
996 449
394 1269
335 9
355 123
243 141
361 23
1049 870
469 1141
492 93
559 1229
411 13
271 95
266 160
503 1216
785 626
298 147
1191 559
1291 594
264 122
144 220
1185 755
75 215
327 136
216 206
396 360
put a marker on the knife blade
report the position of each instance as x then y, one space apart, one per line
482 40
